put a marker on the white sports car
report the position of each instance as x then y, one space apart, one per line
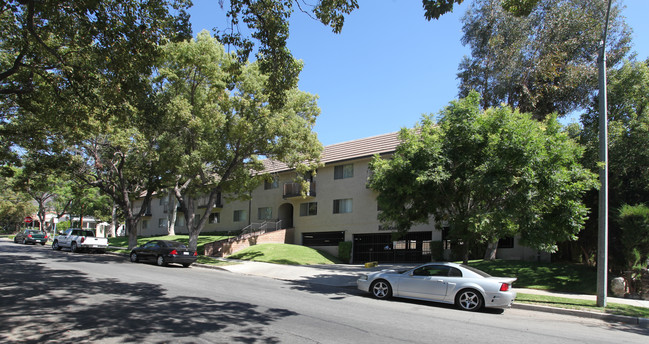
467 287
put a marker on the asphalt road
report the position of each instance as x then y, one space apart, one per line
61 297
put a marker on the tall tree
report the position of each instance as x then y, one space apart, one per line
54 56
542 63
14 203
491 174
628 129
217 128
124 163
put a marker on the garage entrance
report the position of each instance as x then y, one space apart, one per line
414 247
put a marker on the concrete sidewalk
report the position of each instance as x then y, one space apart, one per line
344 275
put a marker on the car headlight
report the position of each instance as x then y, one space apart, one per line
364 278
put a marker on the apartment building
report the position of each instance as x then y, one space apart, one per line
338 207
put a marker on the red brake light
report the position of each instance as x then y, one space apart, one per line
83 239
195 254
29 235
173 252
504 287
45 236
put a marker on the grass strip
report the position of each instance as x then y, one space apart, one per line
584 305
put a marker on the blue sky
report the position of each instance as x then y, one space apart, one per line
388 66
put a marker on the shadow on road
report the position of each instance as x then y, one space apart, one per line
40 304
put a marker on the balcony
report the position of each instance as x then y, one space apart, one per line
147 212
202 201
294 190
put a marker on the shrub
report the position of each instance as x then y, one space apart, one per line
345 251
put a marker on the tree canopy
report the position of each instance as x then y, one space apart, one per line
55 56
628 137
216 129
542 63
490 174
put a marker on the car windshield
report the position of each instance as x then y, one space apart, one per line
479 272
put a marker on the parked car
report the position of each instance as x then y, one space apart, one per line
468 288
163 252
31 236
77 239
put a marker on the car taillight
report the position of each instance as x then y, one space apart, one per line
504 287
195 254
173 252
83 239
29 235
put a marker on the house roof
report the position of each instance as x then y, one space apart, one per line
339 152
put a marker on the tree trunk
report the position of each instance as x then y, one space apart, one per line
172 212
112 230
465 259
492 249
131 229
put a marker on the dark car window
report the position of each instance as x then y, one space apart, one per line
152 244
432 270
437 270
175 244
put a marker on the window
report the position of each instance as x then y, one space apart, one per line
145 224
273 184
309 209
180 221
214 218
323 238
265 213
240 216
344 171
446 242
342 206
162 223
151 245
506 242
437 270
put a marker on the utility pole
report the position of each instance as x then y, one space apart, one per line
602 242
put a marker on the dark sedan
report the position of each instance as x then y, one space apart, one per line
164 252
31 236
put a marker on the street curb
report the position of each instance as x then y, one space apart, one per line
642 322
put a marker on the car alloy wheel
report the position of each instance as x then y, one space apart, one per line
161 261
469 300
24 241
134 257
381 289
55 246
74 248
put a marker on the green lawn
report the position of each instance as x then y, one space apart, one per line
202 240
563 277
584 305
285 254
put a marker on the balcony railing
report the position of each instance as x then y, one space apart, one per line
295 190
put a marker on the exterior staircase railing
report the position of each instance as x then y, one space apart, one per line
256 229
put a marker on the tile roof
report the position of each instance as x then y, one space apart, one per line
356 149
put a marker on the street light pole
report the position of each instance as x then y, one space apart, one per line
602 242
